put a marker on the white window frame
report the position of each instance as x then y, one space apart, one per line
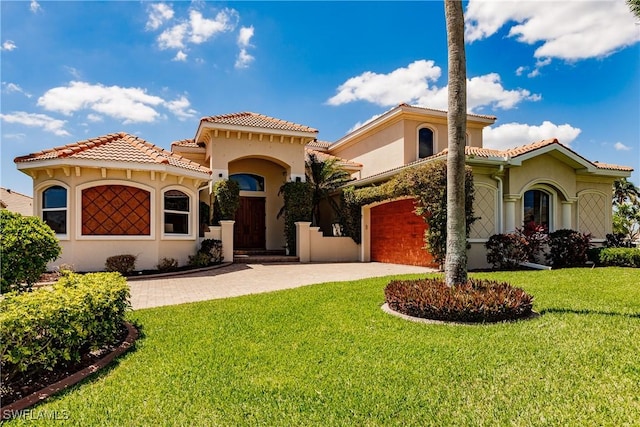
40 189
191 218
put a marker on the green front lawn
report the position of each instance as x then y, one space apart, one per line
328 355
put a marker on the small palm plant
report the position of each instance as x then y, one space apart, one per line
325 176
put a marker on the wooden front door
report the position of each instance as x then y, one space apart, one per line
249 229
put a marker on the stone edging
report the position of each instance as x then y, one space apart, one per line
385 307
16 407
175 273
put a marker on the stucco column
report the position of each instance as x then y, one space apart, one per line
226 235
566 215
509 215
303 241
365 235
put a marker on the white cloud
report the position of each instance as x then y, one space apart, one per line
416 85
197 29
515 134
244 36
131 105
180 56
401 85
180 108
487 90
244 59
34 6
202 29
159 13
14 88
8 45
568 30
94 118
43 121
18 136
73 71
619 146
173 38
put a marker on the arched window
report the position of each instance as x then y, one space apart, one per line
54 208
248 181
537 207
425 143
176 212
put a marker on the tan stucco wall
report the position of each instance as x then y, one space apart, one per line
89 253
223 151
273 180
377 152
395 144
544 168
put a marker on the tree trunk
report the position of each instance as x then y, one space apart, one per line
456 257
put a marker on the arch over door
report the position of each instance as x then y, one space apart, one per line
397 235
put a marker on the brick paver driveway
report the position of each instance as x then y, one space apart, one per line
240 279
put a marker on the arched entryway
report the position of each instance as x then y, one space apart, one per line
257 226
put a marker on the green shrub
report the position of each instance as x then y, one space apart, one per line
167 264
298 206
227 199
621 257
213 248
200 259
475 301
49 327
123 264
568 248
27 244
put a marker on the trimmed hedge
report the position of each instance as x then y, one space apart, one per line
51 327
620 257
476 301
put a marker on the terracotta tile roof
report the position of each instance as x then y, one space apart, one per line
612 167
324 156
323 145
185 143
119 147
258 121
501 154
16 202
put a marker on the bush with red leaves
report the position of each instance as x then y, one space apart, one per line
476 301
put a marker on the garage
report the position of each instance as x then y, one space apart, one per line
397 235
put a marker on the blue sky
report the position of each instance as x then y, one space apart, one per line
76 70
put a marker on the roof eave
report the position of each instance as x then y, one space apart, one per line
25 166
253 129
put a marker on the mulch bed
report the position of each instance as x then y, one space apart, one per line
34 389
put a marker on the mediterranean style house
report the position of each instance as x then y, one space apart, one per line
118 194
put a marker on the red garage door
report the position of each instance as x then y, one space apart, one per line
397 235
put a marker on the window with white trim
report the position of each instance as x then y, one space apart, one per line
176 212
54 208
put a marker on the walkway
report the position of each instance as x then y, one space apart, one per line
243 279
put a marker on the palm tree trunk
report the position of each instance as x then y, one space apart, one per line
456 257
